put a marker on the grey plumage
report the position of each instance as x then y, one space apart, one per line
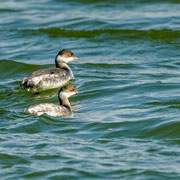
47 78
63 109
48 108
51 78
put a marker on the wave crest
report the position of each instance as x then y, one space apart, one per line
118 33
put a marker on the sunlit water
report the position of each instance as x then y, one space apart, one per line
126 117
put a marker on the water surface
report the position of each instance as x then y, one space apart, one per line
126 119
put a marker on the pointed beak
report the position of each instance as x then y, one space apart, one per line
76 58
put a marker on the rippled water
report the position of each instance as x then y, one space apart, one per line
126 121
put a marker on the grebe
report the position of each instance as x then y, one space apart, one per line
63 109
51 78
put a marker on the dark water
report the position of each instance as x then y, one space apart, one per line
126 122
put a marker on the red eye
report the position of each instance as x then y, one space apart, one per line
70 55
72 90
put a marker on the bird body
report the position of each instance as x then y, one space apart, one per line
44 79
61 109
48 108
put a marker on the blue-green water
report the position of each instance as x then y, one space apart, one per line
126 122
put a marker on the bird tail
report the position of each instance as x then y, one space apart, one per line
24 82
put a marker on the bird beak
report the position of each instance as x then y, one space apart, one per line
76 92
76 58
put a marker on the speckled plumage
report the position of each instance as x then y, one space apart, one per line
47 78
63 109
51 78
49 109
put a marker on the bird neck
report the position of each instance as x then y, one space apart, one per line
62 65
65 102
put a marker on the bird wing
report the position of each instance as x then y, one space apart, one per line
46 77
47 108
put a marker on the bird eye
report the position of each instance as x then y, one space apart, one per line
70 55
72 90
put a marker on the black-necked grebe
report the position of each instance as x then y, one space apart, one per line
51 78
63 109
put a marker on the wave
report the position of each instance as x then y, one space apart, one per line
168 129
10 10
107 66
12 69
170 104
121 1
8 64
118 33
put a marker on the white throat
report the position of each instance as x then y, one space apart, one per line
66 95
60 58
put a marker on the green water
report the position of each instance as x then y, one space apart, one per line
126 122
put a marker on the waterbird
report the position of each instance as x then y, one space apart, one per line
44 79
61 109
